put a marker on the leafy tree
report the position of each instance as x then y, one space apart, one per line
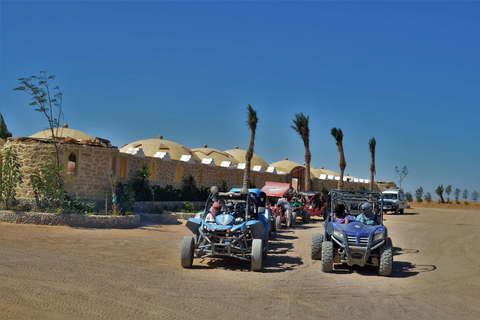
140 184
372 145
252 121
465 195
40 91
11 177
448 191
4 133
428 197
189 188
48 188
457 194
300 125
475 196
409 196
419 194
439 192
402 173
337 134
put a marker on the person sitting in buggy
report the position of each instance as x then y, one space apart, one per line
215 210
340 214
368 216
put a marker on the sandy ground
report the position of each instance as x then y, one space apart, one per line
66 273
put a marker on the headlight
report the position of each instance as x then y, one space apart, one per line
337 233
378 236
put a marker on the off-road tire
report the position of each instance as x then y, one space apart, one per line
306 217
294 219
257 253
273 224
402 211
396 210
278 222
288 219
317 240
386 259
327 256
188 246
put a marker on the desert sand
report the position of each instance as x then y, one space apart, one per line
67 273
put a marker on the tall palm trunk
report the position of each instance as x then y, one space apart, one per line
337 134
372 144
343 164
252 124
301 127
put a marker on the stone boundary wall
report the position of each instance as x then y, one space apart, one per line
94 167
71 220
147 206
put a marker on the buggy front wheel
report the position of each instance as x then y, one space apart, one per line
386 259
327 256
187 252
257 255
278 222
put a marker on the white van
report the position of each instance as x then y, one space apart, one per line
394 200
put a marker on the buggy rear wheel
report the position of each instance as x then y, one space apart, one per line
386 259
187 252
306 217
327 256
278 222
294 219
273 224
257 253
317 240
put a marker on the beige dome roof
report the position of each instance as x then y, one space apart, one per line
317 172
62 132
217 155
285 165
239 154
151 146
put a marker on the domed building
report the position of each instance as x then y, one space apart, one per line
257 163
160 148
295 169
63 132
215 157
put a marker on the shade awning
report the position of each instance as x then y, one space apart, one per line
276 189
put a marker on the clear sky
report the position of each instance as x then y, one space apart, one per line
406 73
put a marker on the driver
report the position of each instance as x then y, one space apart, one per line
367 216
215 211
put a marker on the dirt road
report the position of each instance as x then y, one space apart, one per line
65 273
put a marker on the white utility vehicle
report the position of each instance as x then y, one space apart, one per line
394 200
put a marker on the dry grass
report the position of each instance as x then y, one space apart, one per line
435 204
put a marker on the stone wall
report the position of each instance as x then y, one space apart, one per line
96 166
71 220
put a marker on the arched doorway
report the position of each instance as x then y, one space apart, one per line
298 178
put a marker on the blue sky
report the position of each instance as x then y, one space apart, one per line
406 73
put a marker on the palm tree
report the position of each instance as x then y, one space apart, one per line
337 134
301 127
372 144
252 124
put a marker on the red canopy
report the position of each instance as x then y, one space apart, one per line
276 189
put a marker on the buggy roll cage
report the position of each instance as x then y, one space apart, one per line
352 199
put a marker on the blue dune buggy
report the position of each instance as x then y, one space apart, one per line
354 243
241 230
